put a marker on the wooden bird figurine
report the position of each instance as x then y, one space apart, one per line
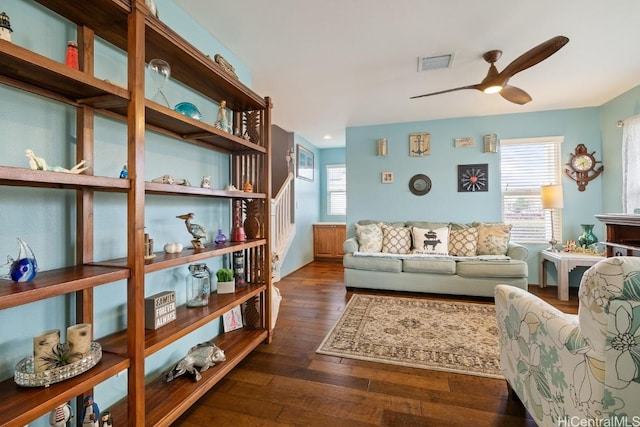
197 231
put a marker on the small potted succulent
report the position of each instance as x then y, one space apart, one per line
226 281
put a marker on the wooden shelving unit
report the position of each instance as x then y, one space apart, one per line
127 25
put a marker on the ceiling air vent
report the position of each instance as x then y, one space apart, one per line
434 62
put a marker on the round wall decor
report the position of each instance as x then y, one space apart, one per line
420 184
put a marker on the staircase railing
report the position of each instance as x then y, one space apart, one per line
282 221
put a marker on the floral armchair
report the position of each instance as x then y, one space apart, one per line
567 368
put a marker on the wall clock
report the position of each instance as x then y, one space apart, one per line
473 178
582 166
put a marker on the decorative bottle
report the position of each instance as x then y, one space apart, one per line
198 285
72 55
220 238
587 239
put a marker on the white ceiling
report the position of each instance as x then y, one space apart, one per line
331 64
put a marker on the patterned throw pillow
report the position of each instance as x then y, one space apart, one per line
396 240
369 237
493 239
463 242
431 240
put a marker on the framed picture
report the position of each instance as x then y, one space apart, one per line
232 319
304 163
387 177
473 178
464 142
419 144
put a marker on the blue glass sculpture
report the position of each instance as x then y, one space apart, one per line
24 268
189 110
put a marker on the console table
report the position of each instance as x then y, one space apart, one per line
565 262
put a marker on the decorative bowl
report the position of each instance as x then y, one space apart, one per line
26 377
189 110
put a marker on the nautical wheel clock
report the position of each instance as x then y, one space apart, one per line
582 167
473 178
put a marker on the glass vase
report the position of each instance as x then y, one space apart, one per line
198 285
587 239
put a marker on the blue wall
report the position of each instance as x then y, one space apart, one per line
45 219
307 211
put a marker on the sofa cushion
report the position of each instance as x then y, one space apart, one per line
396 240
463 242
434 266
369 237
431 240
496 269
426 224
372 263
493 239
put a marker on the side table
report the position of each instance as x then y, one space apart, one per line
565 262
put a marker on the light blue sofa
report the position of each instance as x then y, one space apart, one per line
442 276
576 370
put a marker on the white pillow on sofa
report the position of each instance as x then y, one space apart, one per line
431 241
369 237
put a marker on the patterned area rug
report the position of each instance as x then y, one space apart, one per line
445 336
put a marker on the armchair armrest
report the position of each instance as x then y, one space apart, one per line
517 251
545 358
350 245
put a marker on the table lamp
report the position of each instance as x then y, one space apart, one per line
552 199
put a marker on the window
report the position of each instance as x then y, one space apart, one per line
336 190
526 165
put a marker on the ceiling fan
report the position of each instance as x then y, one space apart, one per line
496 81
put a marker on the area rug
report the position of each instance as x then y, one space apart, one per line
440 335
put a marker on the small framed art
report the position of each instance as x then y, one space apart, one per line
419 144
304 164
232 319
464 142
387 177
473 178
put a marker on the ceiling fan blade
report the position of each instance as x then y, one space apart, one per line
515 95
448 90
534 56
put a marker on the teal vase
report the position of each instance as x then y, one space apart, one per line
587 239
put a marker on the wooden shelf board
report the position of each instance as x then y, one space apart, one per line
21 405
56 282
188 320
24 177
163 260
42 73
166 401
173 189
165 120
107 18
188 63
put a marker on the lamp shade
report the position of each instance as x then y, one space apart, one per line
552 197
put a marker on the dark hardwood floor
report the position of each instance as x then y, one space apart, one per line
287 384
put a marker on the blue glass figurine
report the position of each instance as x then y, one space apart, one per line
124 173
23 269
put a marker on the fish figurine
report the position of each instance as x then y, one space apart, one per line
24 268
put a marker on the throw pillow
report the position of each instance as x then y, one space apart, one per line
396 240
463 242
493 239
431 240
369 237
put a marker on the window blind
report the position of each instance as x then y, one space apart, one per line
336 190
526 165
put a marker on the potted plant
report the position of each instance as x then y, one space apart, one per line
226 282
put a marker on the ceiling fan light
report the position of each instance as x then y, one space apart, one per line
492 89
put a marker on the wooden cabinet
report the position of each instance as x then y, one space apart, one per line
328 239
623 234
129 26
